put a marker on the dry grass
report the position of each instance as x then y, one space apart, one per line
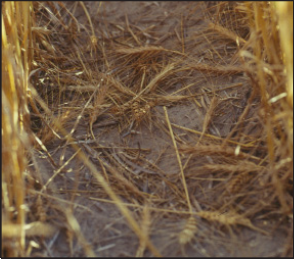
189 123
189 231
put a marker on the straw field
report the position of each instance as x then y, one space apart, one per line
147 129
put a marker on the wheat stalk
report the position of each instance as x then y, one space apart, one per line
227 219
178 158
144 51
238 182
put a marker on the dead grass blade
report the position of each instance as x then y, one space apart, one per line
141 51
145 225
160 76
75 227
178 158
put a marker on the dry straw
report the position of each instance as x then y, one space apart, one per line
17 55
228 219
96 74
188 231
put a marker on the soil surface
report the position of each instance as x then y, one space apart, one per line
152 170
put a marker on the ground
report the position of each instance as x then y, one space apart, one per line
194 72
